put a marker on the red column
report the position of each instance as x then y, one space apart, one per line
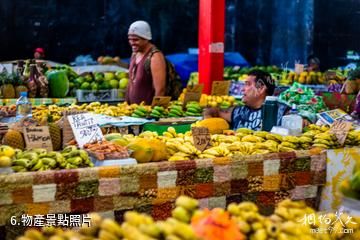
211 42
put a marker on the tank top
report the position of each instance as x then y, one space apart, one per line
141 86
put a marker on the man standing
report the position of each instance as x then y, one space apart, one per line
147 71
258 85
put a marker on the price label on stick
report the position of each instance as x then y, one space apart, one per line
195 88
38 137
201 137
299 68
85 128
193 93
340 129
161 101
191 97
220 88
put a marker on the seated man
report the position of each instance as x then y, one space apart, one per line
258 85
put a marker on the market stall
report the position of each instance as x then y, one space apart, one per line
153 187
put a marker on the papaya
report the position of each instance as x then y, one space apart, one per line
58 83
215 125
142 150
159 150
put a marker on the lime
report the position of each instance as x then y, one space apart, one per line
109 75
85 86
114 83
123 83
120 74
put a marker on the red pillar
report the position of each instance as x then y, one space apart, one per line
211 42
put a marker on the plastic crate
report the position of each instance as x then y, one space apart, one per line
110 95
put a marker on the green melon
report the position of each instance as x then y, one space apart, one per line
58 83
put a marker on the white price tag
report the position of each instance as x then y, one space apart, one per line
85 128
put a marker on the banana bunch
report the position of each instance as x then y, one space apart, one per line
218 151
49 113
175 111
185 208
146 134
193 109
40 160
141 112
170 133
181 150
75 158
158 112
256 226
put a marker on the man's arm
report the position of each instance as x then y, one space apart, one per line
158 72
216 112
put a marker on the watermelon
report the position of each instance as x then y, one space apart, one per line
58 83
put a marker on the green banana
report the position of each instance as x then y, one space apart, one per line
23 162
75 160
51 154
49 161
30 155
39 150
156 112
69 149
18 169
142 110
177 112
140 113
176 107
84 155
173 115
159 108
136 116
193 110
37 166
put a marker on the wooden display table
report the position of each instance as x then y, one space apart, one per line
153 188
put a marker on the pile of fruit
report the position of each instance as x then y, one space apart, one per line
350 187
28 77
180 146
105 60
15 138
288 78
223 102
100 81
8 111
40 160
106 150
188 222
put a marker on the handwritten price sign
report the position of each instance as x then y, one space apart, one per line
38 137
201 137
85 128
340 129
220 88
161 101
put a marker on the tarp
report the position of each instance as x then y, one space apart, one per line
185 63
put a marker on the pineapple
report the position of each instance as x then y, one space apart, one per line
7 88
20 87
14 139
55 134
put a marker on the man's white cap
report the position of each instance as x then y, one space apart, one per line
141 29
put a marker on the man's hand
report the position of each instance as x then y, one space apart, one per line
211 112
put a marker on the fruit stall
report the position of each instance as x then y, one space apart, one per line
48 166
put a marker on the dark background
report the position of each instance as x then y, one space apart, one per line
263 31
